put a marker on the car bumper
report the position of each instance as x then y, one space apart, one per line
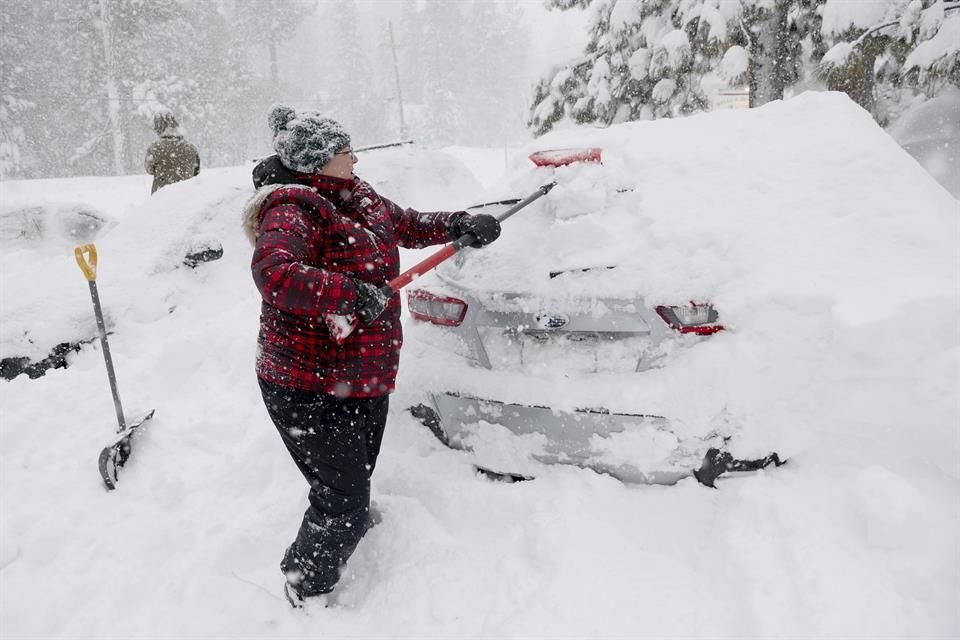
514 438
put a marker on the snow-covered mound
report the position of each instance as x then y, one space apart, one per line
856 537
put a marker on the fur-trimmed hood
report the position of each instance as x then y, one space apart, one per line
253 209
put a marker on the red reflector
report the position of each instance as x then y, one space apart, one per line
443 310
699 319
562 157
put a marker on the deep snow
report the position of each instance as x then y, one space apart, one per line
859 536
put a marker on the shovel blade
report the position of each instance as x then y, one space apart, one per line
115 454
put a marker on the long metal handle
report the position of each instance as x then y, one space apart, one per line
89 268
385 145
451 249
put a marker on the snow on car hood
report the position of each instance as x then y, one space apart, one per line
806 197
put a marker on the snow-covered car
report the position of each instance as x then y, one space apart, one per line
141 254
560 303
620 321
29 232
51 223
930 132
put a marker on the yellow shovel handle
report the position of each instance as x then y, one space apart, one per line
87 264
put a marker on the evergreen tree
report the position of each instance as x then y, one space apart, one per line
901 50
81 80
355 97
645 59
15 106
48 92
662 58
442 51
493 98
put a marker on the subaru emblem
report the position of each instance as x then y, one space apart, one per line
552 320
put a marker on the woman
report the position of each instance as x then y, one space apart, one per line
325 242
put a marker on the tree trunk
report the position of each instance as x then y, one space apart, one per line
767 61
112 86
272 48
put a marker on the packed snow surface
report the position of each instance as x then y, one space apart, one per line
833 256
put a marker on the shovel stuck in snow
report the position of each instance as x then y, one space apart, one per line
115 454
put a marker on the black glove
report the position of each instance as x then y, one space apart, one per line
370 302
484 227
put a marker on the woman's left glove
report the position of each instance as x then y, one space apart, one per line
370 302
483 227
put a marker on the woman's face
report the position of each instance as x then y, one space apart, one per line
340 165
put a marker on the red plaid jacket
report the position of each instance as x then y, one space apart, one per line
311 243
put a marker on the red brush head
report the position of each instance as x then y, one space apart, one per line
563 157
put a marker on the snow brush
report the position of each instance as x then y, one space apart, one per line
115 454
342 326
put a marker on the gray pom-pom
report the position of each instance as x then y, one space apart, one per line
280 116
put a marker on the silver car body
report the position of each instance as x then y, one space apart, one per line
521 378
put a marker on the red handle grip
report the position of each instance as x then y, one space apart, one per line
419 269
465 240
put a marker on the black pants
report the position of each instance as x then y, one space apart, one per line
335 443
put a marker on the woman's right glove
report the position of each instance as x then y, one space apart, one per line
370 302
483 227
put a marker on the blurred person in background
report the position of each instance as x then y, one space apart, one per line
170 158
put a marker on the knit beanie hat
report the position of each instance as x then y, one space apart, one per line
304 140
162 121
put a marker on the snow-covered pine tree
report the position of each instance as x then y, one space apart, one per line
645 59
459 68
887 52
494 96
207 61
51 85
15 107
433 43
352 90
235 87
